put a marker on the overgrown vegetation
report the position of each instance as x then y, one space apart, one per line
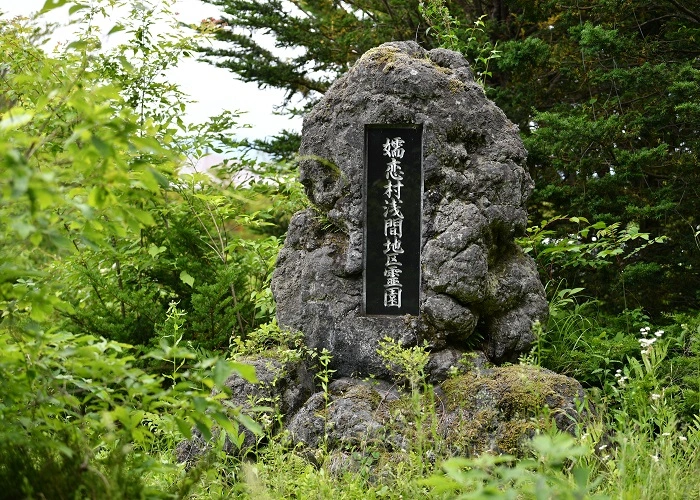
127 285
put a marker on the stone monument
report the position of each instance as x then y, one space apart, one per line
418 188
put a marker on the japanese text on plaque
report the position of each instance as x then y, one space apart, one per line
393 222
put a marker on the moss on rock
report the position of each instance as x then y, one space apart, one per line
498 409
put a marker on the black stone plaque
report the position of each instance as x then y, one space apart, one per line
393 207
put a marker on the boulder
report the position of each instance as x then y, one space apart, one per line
499 409
479 408
355 414
477 288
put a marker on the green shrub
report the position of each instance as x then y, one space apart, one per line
78 419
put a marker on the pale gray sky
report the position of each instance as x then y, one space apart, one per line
214 89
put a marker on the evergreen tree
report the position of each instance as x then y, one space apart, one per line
320 39
607 95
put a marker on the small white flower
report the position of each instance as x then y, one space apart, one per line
602 447
647 343
666 434
655 458
655 396
683 438
659 333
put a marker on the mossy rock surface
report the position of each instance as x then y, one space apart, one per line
485 409
498 409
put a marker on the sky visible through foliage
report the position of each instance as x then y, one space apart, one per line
214 89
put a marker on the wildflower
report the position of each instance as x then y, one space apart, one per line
666 434
647 342
659 333
682 438
621 379
655 396
602 447
655 458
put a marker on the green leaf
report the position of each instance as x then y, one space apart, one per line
142 216
36 238
101 146
154 251
184 428
186 278
79 45
245 371
65 450
250 424
23 228
53 4
225 423
115 29
40 310
204 429
75 8
153 180
97 196
222 369
14 121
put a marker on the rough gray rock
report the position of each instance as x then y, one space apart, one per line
442 363
356 413
283 386
474 277
482 409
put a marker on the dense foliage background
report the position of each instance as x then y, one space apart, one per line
128 287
